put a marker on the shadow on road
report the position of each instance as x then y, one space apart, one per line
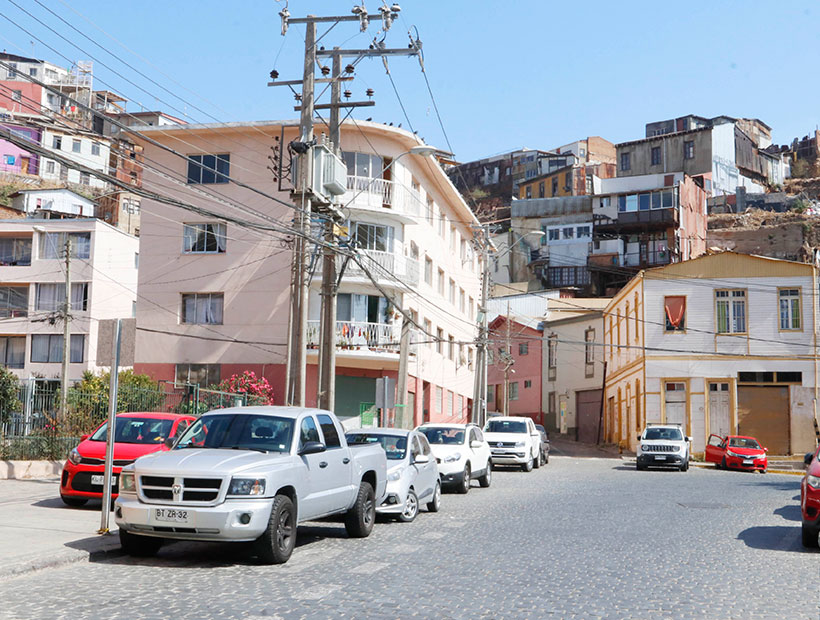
790 512
774 538
782 483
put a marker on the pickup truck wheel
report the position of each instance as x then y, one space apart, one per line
464 487
809 537
546 458
434 505
527 466
411 507
359 519
536 462
487 478
139 546
276 545
74 502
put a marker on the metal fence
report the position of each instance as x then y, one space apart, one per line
34 430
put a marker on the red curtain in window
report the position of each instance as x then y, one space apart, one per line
675 309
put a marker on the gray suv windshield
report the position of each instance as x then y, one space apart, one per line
263 433
671 434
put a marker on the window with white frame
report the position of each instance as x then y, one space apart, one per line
204 238
76 145
589 346
202 308
13 351
48 348
374 237
730 308
452 292
523 348
13 301
52 245
50 296
95 148
514 390
439 399
198 374
491 395
789 299
552 352
208 169
428 270
441 282
439 341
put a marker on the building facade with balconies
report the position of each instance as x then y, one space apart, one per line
214 294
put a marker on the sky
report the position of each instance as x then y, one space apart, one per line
504 75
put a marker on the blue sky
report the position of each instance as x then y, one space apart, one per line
504 74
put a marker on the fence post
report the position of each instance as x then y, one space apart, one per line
28 406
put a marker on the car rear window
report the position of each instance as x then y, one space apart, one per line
329 431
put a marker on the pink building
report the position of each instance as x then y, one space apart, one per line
518 341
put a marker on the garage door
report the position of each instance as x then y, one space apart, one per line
588 408
763 412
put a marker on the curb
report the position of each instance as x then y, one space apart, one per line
111 549
788 472
28 470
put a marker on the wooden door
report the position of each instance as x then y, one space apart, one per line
763 413
719 418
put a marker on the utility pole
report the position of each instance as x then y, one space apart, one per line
507 365
66 329
480 378
401 384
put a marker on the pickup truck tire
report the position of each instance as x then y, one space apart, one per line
276 545
74 502
528 465
487 478
139 546
411 507
536 462
464 487
434 505
359 519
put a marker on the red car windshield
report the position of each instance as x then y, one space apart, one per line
136 430
743 442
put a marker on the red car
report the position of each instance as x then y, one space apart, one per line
736 452
810 500
136 435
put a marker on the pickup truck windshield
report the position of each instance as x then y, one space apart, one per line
506 426
265 433
672 434
444 436
136 430
395 446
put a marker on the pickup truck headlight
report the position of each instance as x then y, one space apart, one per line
520 444
127 482
74 456
452 458
394 475
246 486
813 481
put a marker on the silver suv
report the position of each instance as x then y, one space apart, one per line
663 445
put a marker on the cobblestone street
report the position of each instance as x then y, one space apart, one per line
579 538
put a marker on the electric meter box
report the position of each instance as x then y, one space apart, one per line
329 174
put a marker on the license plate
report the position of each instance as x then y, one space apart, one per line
100 479
748 461
172 515
660 457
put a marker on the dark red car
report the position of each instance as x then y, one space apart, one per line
810 500
736 452
136 434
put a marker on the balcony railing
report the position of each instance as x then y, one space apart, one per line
641 219
383 266
382 195
359 336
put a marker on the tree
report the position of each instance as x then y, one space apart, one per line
258 389
9 389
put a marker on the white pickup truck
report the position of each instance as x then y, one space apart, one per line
514 441
250 474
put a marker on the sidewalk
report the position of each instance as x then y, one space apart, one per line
38 531
561 445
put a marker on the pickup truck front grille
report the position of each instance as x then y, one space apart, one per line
502 444
180 490
657 448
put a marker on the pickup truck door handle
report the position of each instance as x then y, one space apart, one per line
345 460
323 464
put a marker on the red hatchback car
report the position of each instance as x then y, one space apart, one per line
810 500
736 452
136 434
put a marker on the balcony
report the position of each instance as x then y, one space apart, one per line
637 220
359 337
386 268
384 197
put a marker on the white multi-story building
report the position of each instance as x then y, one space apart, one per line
103 270
214 295
86 148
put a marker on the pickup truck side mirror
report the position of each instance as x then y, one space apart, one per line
312 447
169 442
476 444
639 437
421 459
689 440
807 459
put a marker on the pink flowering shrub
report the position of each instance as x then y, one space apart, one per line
258 389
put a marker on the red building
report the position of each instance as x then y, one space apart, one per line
515 352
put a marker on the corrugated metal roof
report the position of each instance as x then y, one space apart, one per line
551 207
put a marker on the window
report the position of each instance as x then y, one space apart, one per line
205 238
626 161
490 357
554 186
656 156
554 234
13 301
541 190
13 351
527 383
689 149
514 390
770 377
308 432
442 224
589 346
363 165
568 233
523 348
431 208
552 352
52 245
551 402
584 231
202 308
50 167
32 71
57 143
373 237
451 347
450 398
95 148
568 181
490 396
428 328
528 191
17 95
439 400
439 341
209 169
15 251
198 374
329 431
428 270
462 300
50 297
12 70
730 306
452 292
674 308
453 239
441 282
48 348
471 307
85 178
76 145
789 308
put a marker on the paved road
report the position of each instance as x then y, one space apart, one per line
580 538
